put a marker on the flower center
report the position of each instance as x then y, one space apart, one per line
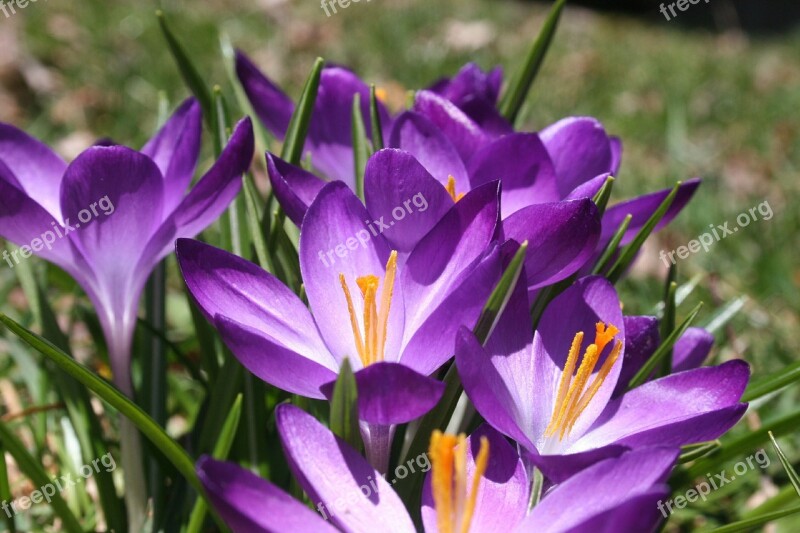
371 345
573 394
451 189
455 502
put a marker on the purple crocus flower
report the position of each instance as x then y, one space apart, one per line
111 253
476 93
563 234
474 484
329 138
393 315
557 404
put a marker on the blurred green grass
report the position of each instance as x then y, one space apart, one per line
724 107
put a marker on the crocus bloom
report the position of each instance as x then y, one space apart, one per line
476 93
112 253
558 405
562 235
329 138
53 208
394 316
476 484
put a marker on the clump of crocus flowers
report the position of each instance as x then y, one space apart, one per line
483 332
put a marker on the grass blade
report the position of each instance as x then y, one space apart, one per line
107 392
187 69
375 120
344 407
629 252
5 490
221 450
360 146
772 383
30 466
752 523
301 118
611 247
517 91
790 471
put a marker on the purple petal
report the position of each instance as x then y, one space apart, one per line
462 131
336 478
588 189
223 284
503 491
616 154
330 133
128 188
25 223
207 199
641 340
390 393
432 343
268 359
175 149
486 115
691 349
250 504
475 92
272 106
638 513
500 383
471 83
37 169
521 162
589 301
417 135
294 187
580 150
457 242
642 207
560 467
334 240
684 408
402 194
604 487
561 237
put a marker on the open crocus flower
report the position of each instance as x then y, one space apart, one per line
552 391
405 201
330 137
111 253
394 316
473 485
476 93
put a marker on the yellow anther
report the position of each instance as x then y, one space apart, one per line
381 94
451 189
372 345
573 396
454 501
